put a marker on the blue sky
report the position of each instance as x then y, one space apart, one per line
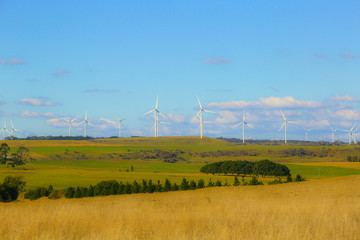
114 57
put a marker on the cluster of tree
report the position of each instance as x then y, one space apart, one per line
10 188
221 153
352 159
37 193
17 158
263 168
168 156
298 178
243 182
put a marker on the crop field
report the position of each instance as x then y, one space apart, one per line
64 163
319 209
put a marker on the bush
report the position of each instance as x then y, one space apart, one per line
299 178
254 181
10 188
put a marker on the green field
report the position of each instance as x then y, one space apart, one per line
72 163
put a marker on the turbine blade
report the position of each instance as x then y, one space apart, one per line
209 111
292 122
149 112
196 115
283 115
250 125
12 126
74 118
237 124
199 102
90 124
282 126
162 115
157 101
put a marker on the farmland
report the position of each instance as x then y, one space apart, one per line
326 207
64 163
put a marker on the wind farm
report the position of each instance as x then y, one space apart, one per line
179 120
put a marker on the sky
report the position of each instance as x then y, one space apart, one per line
113 58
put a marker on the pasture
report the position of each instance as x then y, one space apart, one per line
64 163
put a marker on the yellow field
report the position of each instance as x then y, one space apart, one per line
355 165
317 209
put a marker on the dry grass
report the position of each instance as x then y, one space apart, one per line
323 209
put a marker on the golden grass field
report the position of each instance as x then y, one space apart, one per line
316 209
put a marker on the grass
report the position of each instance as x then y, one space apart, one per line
64 163
319 210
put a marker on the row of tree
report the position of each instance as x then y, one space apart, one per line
352 159
114 187
263 168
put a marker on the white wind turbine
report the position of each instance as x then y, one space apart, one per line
200 114
285 124
355 133
333 130
243 125
85 122
70 124
120 121
13 130
307 132
4 130
156 112
157 124
350 131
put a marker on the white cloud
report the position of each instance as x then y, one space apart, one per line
37 114
226 117
345 98
349 114
178 118
57 122
37 102
61 72
217 60
270 102
13 61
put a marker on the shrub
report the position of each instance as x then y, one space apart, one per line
10 188
299 178
201 183
254 181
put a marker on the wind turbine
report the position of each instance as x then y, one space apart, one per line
13 130
285 124
4 130
307 131
120 120
158 122
200 114
85 122
243 125
355 133
333 134
70 124
350 131
156 112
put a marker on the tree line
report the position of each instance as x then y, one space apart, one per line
263 168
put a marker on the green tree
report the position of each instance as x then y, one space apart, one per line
4 150
236 181
167 185
201 183
184 184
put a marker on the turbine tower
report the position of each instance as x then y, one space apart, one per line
120 120
200 115
13 130
285 124
157 124
333 130
243 125
156 120
350 131
85 122
4 130
307 131
70 124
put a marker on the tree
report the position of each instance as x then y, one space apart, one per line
4 150
167 185
69 193
10 188
236 181
184 185
20 156
201 184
